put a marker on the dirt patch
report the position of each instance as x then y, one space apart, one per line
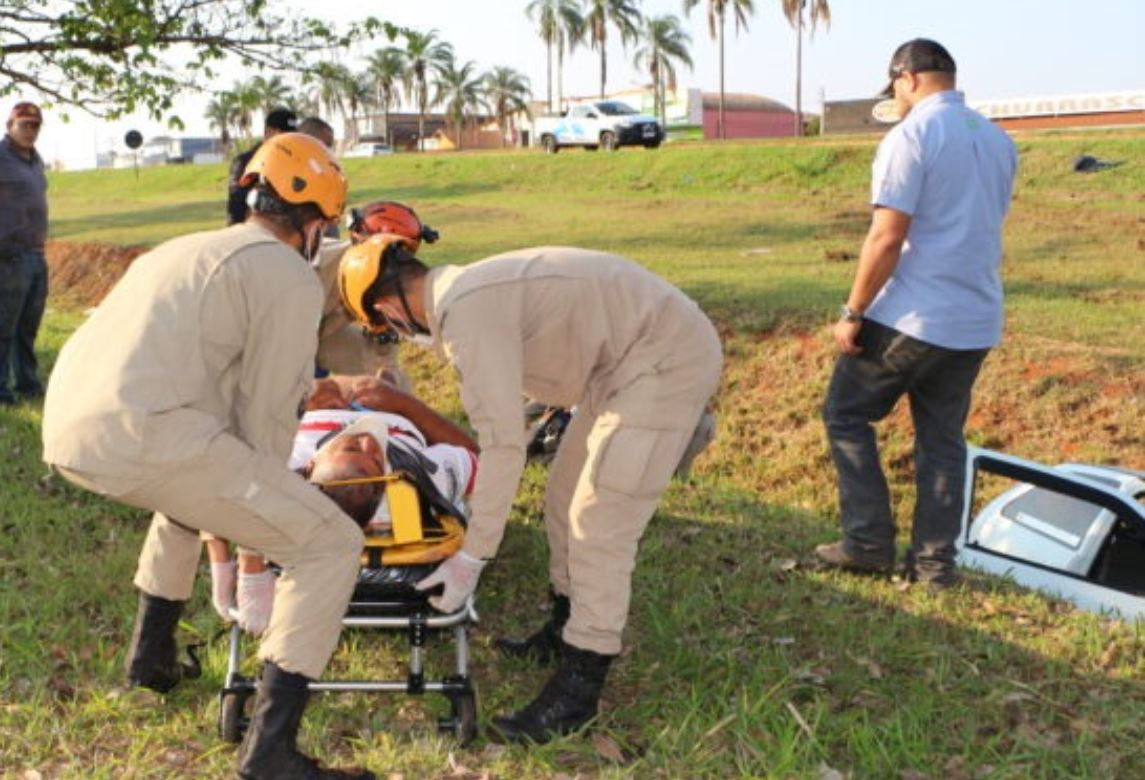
80 274
1047 401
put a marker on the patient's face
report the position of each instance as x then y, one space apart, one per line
351 457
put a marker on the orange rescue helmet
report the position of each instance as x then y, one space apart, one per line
362 267
301 170
397 219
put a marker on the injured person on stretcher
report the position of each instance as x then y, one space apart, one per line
354 429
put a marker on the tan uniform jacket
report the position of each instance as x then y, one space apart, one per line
563 326
210 332
343 347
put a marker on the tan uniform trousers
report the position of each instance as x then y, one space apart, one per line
605 482
254 500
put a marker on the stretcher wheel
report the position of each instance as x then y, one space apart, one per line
233 719
462 723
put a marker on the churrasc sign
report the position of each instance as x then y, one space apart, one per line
1094 103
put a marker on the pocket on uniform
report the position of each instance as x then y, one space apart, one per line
637 461
286 501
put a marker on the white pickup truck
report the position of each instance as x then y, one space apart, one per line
604 124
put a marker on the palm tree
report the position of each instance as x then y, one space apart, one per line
717 13
247 101
507 94
665 44
621 14
358 92
559 23
331 82
571 33
458 91
385 68
221 113
423 53
793 10
272 92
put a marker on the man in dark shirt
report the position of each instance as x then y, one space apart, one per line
280 120
23 271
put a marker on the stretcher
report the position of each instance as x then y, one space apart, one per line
421 535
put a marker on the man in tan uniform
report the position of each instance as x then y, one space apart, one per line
181 394
566 327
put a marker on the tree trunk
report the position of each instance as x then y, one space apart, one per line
799 72
549 85
421 126
603 69
657 89
560 76
664 105
720 117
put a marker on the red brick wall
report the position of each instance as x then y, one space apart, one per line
1073 120
749 124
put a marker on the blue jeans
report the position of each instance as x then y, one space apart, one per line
23 295
863 390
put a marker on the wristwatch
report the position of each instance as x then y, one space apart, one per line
847 314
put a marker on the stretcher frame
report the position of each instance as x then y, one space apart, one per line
414 616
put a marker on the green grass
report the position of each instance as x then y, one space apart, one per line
742 659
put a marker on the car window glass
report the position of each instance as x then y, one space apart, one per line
1063 518
613 108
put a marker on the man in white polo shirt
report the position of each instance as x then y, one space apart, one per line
924 309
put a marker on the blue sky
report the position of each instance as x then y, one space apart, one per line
1004 48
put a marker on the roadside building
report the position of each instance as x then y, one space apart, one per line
747 116
1097 109
163 150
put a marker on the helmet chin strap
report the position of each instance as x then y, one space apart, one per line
310 243
407 326
260 201
415 326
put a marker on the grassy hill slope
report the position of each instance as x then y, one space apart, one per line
744 659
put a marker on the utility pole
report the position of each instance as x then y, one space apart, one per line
799 72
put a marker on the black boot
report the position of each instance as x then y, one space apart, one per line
268 751
544 645
567 702
151 659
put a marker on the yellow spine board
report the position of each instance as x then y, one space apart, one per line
405 512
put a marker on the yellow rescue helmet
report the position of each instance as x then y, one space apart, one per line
301 170
361 267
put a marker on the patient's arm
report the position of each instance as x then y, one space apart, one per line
251 562
377 394
328 393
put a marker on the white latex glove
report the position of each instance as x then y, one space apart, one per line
256 600
223 588
459 573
